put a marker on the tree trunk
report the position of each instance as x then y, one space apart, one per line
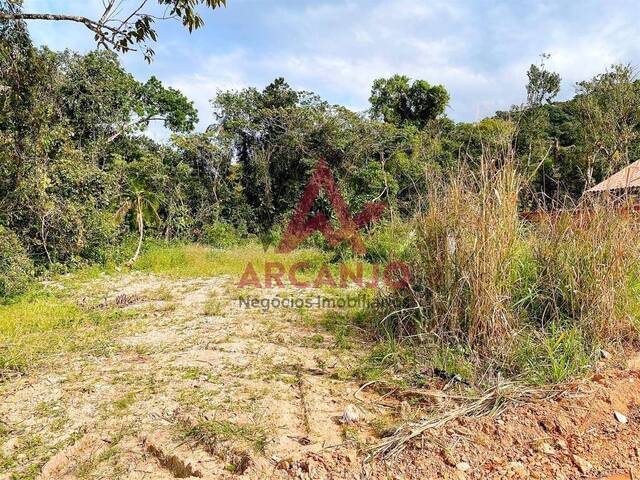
140 219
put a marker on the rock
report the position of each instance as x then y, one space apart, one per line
545 448
584 466
463 466
620 417
351 414
519 469
604 354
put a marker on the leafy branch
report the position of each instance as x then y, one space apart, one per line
125 32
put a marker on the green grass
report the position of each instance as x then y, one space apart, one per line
193 261
200 261
214 307
40 327
555 356
221 435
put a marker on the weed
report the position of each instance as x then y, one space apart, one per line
162 293
214 307
125 402
212 433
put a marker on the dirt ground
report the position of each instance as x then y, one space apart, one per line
197 386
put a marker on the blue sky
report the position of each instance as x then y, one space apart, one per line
479 50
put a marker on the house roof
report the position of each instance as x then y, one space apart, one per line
628 177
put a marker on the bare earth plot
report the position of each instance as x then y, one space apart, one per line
194 385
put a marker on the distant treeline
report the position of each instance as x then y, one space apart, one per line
78 175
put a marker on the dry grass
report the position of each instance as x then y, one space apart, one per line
462 260
535 298
491 402
586 262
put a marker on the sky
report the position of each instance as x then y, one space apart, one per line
479 50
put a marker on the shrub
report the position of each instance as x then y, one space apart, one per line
388 241
16 269
220 235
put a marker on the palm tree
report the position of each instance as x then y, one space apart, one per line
143 204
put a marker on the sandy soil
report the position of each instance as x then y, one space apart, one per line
197 386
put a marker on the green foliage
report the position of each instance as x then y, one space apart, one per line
543 85
220 235
70 156
554 355
388 242
536 300
398 101
16 268
121 29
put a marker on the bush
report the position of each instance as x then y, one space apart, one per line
388 241
586 259
220 235
16 269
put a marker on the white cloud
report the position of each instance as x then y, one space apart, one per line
480 50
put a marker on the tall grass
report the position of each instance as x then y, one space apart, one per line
463 256
531 297
586 260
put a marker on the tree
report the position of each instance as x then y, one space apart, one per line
398 101
143 194
119 28
608 107
543 85
268 131
144 206
102 101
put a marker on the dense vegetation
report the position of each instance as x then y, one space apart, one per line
80 183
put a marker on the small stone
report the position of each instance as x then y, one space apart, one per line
463 466
620 417
584 466
351 414
546 449
518 468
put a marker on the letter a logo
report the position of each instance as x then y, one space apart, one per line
301 227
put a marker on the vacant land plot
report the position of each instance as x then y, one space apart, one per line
148 374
